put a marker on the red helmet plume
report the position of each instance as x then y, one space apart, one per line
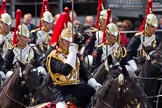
18 18
62 20
107 22
3 7
44 8
100 3
148 9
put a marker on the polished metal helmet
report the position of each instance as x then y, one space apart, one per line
66 33
103 14
6 18
112 29
47 17
23 30
151 19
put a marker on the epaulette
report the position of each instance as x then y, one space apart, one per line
12 47
139 33
100 45
55 54
35 30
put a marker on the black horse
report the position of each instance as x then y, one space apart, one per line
47 87
116 95
151 73
22 88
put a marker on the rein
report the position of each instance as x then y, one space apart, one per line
50 88
144 78
25 96
14 99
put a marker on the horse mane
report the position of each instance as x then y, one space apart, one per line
105 88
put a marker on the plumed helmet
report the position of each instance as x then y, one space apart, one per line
103 14
112 29
151 19
67 32
47 17
23 30
3 76
6 18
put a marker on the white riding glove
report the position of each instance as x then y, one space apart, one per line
8 74
94 84
3 76
71 58
133 64
41 70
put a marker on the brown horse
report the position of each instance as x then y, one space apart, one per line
21 88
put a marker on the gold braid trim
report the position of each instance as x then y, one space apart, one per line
59 79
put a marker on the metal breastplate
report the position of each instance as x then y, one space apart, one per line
43 41
24 56
148 41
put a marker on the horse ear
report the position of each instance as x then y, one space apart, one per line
160 46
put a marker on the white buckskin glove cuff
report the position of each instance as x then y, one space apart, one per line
133 64
41 70
71 58
129 70
94 84
8 74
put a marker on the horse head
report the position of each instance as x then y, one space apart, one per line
83 32
32 79
119 95
154 54
131 92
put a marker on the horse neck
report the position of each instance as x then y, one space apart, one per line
13 85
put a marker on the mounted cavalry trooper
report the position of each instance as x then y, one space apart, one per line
146 37
110 49
40 37
97 33
66 70
21 51
5 33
